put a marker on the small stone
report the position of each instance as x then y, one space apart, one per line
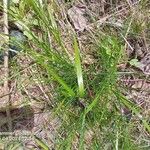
17 40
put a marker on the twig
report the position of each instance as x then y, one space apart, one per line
6 68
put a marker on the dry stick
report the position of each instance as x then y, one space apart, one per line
6 68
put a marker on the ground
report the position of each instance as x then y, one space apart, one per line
105 43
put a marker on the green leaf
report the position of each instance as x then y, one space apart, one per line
82 131
41 143
78 69
29 36
135 62
35 22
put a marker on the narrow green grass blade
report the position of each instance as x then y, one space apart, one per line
78 69
41 144
60 81
82 131
69 140
146 125
94 102
97 97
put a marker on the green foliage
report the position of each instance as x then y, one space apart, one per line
135 62
13 145
41 144
78 111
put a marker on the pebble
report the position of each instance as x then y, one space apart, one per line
17 40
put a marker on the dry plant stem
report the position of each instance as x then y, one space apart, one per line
6 87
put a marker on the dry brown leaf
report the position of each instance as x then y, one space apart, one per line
76 15
145 64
